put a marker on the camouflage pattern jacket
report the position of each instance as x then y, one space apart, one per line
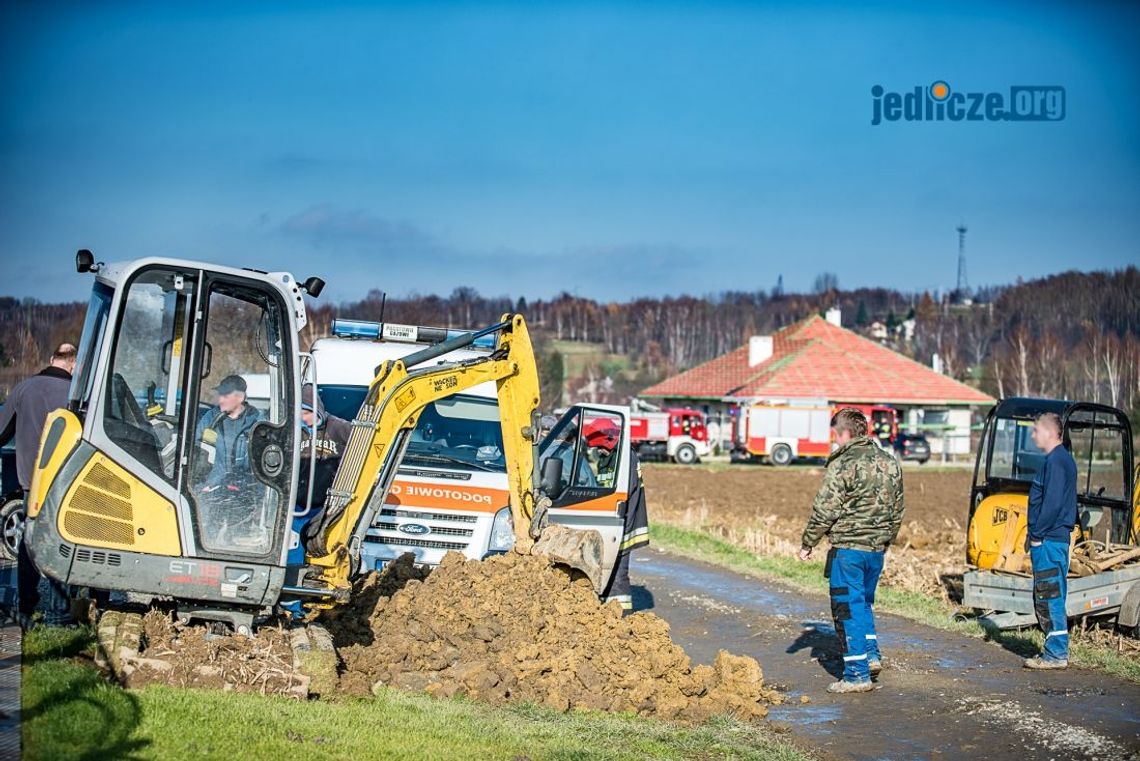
860 503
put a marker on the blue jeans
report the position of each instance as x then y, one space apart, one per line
854 576
1050 587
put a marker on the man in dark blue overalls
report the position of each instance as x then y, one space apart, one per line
1052 516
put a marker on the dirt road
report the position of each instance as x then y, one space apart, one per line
941 695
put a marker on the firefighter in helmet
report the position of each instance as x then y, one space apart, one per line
601 438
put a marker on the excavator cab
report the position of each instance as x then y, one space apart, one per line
174 463
1100 440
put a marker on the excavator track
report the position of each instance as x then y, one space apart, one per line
119 635
122 651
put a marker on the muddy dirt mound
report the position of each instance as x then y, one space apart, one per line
514 628
190 656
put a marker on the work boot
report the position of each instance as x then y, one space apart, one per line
844 686
875 665
1038 663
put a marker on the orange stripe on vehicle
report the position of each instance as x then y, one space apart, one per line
412 494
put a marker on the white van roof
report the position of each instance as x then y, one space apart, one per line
353 362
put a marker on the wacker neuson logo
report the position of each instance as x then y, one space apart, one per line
937 103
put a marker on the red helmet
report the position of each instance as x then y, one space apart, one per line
601 432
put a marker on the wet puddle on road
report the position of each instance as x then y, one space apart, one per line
812 714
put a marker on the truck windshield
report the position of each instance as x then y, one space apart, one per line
458 433
1015 456
90 341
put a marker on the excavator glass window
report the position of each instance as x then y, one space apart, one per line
1015 456
90 343
1097 443
143 409
244 384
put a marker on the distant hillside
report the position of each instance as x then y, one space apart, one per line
1074 334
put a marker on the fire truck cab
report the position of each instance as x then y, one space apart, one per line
679 434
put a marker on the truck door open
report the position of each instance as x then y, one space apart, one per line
593 444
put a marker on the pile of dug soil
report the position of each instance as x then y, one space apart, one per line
190 656
514 628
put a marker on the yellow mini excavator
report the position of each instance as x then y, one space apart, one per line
164 478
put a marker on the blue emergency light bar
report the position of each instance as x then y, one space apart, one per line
387 331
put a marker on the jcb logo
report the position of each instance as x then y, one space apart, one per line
1001 515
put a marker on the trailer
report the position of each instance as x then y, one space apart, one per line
1005 601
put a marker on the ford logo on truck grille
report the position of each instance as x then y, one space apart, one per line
415 529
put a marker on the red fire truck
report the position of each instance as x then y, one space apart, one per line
672 433
782 433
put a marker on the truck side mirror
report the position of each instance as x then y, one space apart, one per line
551 481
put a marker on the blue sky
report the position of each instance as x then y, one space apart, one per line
612 150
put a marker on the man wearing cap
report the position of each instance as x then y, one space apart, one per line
226 427
323 439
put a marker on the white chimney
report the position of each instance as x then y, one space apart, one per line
835 317
759 349
936 363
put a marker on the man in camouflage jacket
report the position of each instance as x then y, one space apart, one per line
859 508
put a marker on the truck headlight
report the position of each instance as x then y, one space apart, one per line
502 532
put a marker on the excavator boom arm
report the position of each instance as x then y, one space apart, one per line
395 399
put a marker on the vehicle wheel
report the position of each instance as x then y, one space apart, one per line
686 454
782 455
924 461
11 528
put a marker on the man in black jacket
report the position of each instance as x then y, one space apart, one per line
22 418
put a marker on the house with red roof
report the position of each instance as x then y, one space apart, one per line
816 361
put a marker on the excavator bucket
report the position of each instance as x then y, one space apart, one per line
579 550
